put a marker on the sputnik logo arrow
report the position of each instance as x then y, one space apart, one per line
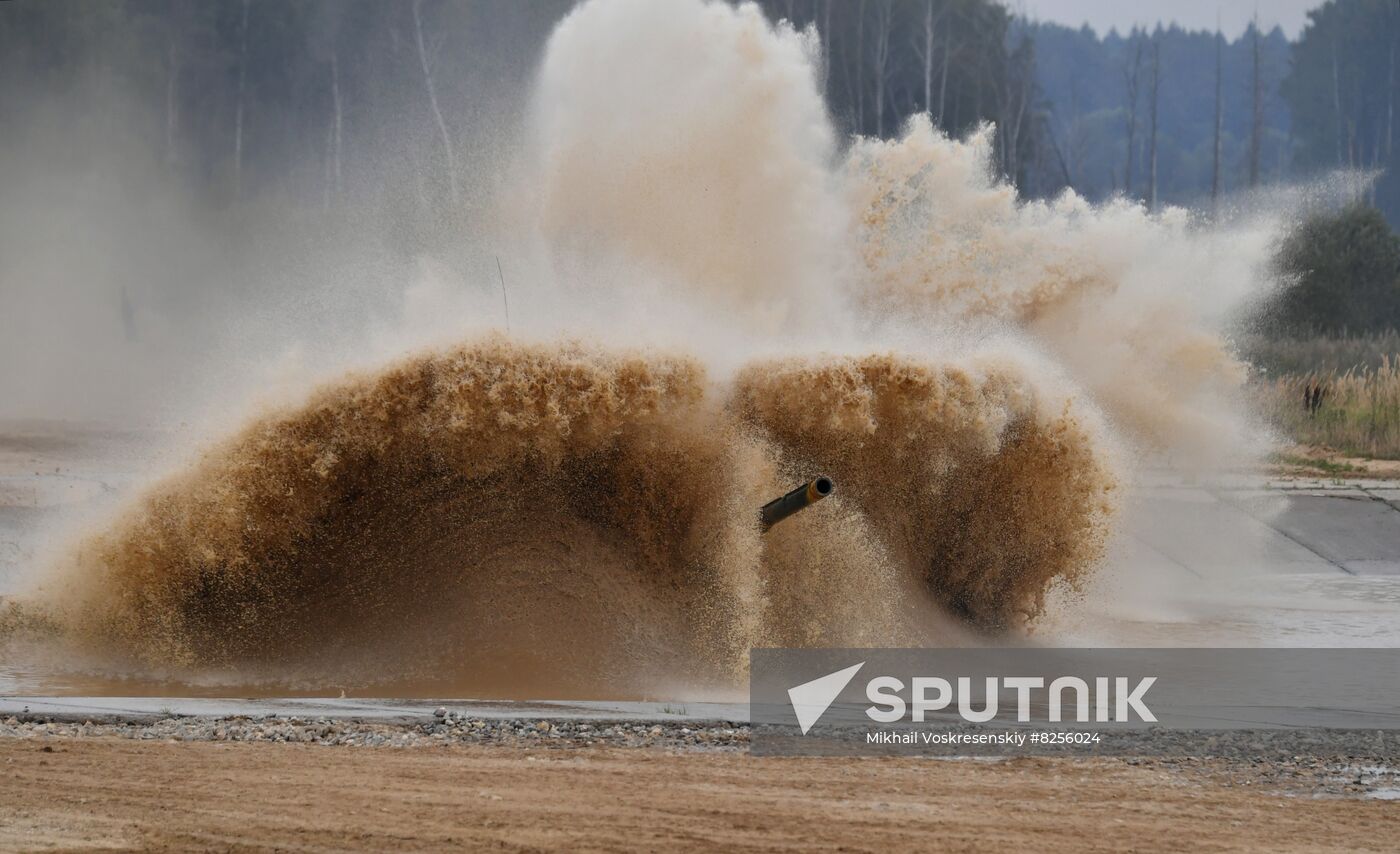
810 700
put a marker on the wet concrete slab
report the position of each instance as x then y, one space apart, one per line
1356 532
1389 495
1208 535
1373 567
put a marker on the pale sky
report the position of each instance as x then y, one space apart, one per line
1234 15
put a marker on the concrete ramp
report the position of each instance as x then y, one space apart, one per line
1256 525
1207 534
1356 531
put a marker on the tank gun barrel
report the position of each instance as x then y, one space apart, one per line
803 496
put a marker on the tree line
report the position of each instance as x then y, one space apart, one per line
393 101
961 62
329 105
1167 115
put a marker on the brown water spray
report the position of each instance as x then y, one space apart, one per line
712 304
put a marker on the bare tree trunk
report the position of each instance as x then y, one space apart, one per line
1376 143
333 184
1390 108
1013 96
1059 155
1337 102
1023 103
327 176
848 74
925 50
339 126
1152 141
826 48
1256 131
238 110
1132 76
433 102
977 101
1219 118
1013 142
1071 157
172 119
860 67
1356 144
1385 135
928 58
943 76
881 58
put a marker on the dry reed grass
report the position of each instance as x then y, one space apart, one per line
1355 411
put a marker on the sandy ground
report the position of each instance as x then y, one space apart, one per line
108 793
1313 460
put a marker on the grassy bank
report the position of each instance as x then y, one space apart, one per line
1355 411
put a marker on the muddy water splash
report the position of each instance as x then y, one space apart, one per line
486 508
747 308
968 482
560 517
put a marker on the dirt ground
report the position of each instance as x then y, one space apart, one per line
1316 460
119 794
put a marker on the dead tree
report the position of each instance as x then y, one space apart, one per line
1152 120
433 103
826 47
860 67
238 109
333 184
925 49
1337 105
1072 156
338 123
927 57
1219 118
1132 73
1015 94
943 77
1390 99
172 108
1256 131
880 59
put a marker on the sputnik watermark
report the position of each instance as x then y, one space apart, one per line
1013 738
1118 694
1002 700
886 693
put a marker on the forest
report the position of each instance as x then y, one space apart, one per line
323 100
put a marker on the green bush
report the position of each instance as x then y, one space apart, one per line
1345 273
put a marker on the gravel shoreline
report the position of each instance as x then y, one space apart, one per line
446 728
1346 776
